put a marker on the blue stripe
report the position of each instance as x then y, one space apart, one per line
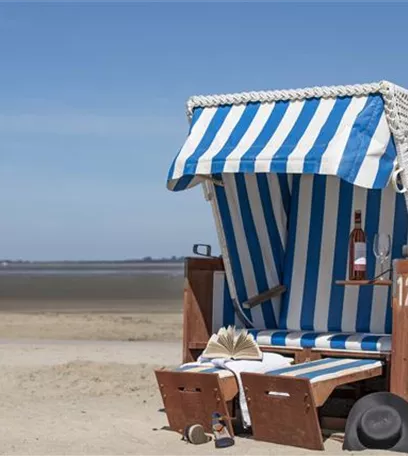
290 252
297 367
183 183
386 165
399 239
207 139
338 341
313 158
280 159
369 343
219 160
279 338
313 253
228 230
360 137
228 310
340 256
308 340
339 369
271 225
254 332
365 296
247 163
255 250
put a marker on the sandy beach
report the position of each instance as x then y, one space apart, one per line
68 389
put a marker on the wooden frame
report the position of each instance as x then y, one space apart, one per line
399 343
198 302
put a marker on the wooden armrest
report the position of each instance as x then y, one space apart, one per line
262 297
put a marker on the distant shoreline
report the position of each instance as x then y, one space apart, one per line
93 262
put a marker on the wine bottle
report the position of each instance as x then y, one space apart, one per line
357 250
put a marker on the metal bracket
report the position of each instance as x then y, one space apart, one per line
207 252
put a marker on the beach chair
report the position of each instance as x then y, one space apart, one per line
284 172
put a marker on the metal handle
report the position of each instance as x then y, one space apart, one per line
395 176
207 252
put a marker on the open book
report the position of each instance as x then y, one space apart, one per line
232 343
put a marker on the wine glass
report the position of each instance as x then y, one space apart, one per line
382 249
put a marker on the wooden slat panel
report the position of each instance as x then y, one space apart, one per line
282 411
399 355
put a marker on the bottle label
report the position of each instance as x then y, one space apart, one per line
360 255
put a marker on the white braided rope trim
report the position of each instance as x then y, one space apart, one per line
399 130
207 101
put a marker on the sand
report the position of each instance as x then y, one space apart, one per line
74 384
163 326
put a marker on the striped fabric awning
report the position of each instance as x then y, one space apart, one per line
346 136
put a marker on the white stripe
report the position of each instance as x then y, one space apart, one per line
297 157
332 156
293 339
384 344
277 206
353 341
233 160
345 372
350 302
263 238
196 135
263 160
264 337
205 161
242 247
380 294
218 300
325 276
300 256
311 367
371 163
323 340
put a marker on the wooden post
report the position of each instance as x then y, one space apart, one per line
399 354
198 301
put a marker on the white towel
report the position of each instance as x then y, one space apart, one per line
270 361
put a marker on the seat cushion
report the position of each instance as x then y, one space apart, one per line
361 342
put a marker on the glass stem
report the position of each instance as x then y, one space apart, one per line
381 268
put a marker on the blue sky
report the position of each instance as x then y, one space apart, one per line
92 108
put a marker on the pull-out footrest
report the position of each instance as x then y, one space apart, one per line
192 392
283 403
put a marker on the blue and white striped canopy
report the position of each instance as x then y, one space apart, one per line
346 137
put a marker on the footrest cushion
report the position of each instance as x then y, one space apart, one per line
204 368
327 368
